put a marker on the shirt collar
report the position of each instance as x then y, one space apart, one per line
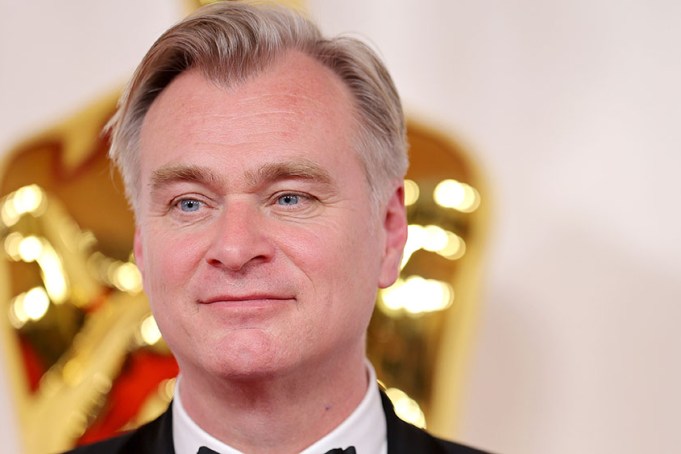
365 428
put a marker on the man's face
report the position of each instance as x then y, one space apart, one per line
256 238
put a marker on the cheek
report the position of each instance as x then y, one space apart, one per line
363 248
340 259
321 250
169 259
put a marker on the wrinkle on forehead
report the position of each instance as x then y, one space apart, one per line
292 105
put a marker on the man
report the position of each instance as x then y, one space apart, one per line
264 164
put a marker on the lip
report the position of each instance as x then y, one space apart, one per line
253 300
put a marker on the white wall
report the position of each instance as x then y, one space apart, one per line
573 109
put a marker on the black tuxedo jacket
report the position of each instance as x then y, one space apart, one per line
156 437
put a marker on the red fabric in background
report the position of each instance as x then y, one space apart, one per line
139 379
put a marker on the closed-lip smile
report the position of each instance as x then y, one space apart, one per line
244 299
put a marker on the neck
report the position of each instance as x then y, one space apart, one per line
281 413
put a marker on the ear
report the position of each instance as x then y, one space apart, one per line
395 227
137 250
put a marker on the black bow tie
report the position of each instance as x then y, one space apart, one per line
348 450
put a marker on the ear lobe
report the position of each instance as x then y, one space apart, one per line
395 226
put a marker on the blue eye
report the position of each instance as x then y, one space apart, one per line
189 205
288 200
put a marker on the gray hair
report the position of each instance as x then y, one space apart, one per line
232 41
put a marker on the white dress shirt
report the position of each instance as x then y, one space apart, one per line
365 428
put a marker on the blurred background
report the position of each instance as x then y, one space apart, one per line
572 113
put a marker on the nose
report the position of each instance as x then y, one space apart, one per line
240 239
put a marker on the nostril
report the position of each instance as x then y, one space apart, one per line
238 264
236 255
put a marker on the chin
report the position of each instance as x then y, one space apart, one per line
249 358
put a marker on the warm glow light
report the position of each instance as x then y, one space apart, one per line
415 236
432 238
167 388
411 192
30 248
27 199
54 276
455 248
36 303
417 295
12 242
449 193
391 296
8 214
149 331
456 195
427 295
127 277
18 316
406 408
435 238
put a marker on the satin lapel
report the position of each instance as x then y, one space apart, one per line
399 439
155 437
164 438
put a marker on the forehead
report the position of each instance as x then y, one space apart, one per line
294 95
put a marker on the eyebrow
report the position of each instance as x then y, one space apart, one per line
190 173
301 169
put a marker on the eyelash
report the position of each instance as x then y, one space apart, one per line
196 202
176 204
293 197
300 198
